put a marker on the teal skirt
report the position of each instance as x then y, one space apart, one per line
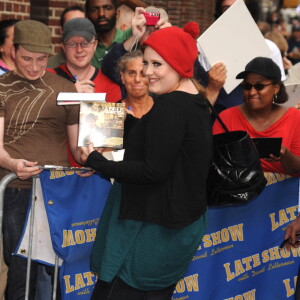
144 255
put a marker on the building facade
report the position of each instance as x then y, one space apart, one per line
48 11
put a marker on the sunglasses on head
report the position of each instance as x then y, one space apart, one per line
258 86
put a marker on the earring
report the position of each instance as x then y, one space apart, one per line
275 98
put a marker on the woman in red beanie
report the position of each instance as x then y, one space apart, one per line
154 218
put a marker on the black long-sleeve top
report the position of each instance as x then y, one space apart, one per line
166 162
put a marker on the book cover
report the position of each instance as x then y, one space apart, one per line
101 123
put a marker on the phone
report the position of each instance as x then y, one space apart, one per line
267 146
151 18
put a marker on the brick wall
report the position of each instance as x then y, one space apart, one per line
180 12
18 9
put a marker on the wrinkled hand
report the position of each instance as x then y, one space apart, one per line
217 76
86 151
162 23
85 173
85 86
138 23
25 169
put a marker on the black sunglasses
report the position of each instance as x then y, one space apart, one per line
258 86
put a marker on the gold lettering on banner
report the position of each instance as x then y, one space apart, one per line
55 174
275 177
189 283
287 284
79 237
250 295
241 266
81 280
284 216
232 233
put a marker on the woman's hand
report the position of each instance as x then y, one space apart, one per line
86 151
162 23
282 154
138 23
289 161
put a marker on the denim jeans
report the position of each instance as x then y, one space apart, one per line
119 290
16 203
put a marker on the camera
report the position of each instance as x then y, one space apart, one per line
151 18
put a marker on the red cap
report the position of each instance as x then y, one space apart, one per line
176 47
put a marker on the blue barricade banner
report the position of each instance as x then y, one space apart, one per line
74 206
239 257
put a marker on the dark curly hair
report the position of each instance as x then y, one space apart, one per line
115 3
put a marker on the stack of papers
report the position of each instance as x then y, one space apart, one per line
76 98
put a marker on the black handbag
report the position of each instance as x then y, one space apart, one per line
235 175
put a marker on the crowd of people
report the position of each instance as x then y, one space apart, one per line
159 192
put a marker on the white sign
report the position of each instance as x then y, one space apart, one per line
233 39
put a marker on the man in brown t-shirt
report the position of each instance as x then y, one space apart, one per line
33 131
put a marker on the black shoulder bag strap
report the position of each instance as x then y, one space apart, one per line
217 116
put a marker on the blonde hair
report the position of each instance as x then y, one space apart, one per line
279 40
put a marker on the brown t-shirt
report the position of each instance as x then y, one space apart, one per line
35 126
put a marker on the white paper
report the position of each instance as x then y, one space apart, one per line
293 91
42 249
116 155
75 98
233 39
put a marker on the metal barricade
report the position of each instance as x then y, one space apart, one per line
3 184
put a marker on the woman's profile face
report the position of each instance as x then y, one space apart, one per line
259 99
136 83
162 77
7 46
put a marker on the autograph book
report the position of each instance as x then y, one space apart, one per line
101 123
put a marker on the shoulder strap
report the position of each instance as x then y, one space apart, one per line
217 116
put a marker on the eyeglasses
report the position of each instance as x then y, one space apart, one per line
258 86
82 44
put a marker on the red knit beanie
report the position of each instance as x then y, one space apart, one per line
176 47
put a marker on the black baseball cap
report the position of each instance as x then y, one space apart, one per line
263 66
